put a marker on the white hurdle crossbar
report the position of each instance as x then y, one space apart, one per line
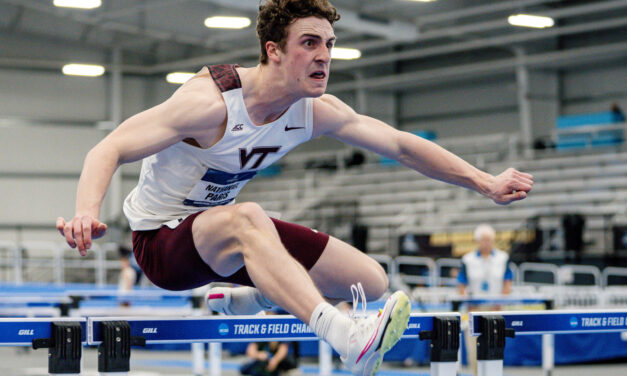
493 327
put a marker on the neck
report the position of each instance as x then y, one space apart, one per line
485 253
266 94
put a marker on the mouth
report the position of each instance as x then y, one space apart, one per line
318 75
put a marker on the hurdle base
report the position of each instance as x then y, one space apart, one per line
64 348
490 367
444 345
443 368
114 353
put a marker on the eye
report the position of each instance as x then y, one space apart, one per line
308 42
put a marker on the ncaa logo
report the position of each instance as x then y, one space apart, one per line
573 322
223 329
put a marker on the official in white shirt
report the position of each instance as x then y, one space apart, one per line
485 271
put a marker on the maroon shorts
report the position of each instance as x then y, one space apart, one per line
170 260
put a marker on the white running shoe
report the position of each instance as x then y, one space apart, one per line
218 299
221 299
371 337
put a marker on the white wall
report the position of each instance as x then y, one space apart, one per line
481 107
594 89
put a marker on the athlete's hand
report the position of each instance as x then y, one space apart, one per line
510 185
80 231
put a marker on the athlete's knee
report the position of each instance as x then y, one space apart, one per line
227 221
249 214
378 283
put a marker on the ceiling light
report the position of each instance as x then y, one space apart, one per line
227 22
85 70
179 77
422 1
345 53
80 4
528 20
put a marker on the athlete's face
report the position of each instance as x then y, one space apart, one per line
307 54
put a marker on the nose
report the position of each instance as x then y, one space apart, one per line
324 55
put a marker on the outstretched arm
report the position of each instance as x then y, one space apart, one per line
334 118
187 113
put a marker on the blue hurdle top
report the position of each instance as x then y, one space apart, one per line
232 329
22 331
556 322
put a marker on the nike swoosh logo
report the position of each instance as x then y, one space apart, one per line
288 128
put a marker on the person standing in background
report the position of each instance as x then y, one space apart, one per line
485 271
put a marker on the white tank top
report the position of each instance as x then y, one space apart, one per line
183 179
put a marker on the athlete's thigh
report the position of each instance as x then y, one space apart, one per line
342 265
214 233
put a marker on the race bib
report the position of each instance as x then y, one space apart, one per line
217 188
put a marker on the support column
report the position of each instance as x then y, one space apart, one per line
548 354
445 340
361 97
115 116
524 103
491 345
325 359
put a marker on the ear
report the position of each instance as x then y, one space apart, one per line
274 51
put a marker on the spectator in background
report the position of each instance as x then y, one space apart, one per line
268 359
130 272
485 271
618 112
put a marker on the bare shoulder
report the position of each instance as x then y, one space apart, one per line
331 113
330 102
199 100
200 89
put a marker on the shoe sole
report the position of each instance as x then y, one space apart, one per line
395 327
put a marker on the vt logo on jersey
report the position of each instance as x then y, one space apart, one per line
245 156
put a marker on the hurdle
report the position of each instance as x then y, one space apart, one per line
63 337
114 337
493 327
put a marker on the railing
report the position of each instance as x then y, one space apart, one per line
56 262
51 263
12 262
612 271
442 263
534 267
403 262
567 274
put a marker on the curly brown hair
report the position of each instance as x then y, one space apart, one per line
276 15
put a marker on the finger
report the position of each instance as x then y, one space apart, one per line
69 238
60 225
525 175
86 223
78 235
99 231
526 181
520 186
516 196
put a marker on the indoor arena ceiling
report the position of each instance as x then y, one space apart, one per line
160 36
